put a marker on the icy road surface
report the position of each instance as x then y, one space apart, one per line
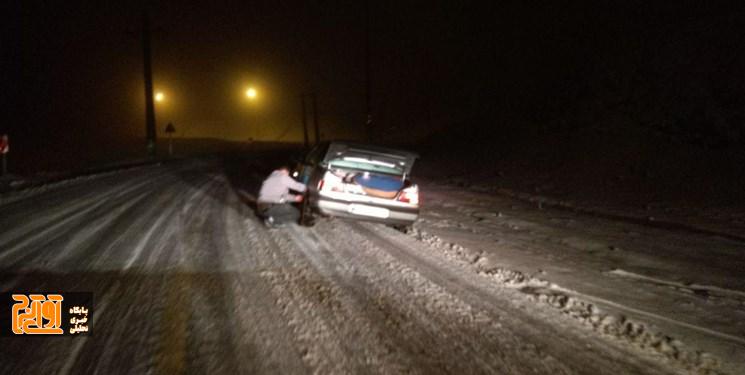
186 280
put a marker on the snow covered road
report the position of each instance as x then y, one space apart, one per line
186 280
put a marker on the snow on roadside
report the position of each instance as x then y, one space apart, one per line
22 189
609 324
714 222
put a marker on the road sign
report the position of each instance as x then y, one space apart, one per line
4 144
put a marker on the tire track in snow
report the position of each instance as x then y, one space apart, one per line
354 298
53 206
70 217
417 316
693 288
308 301
555 340
79 343
259 320
48 254
617 327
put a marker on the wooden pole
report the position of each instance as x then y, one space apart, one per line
315 119
305 123
147 71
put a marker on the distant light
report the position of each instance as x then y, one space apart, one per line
251 93
159 96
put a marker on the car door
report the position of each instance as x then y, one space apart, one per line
311 165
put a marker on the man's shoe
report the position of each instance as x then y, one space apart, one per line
269 222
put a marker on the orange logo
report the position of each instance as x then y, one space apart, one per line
37 314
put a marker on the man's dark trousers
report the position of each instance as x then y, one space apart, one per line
281 213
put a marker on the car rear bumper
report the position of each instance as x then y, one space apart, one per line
396 215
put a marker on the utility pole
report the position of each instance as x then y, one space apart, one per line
305 123
147 69
315 119
170 129
368 93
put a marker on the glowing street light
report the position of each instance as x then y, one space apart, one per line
251 93
159 96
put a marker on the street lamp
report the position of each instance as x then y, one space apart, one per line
251 93
159 96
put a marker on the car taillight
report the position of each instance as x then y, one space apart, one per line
410 195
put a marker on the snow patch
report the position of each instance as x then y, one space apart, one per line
609 324
28 188
690 287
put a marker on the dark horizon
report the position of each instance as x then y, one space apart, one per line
74 71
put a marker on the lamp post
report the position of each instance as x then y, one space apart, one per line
251 93
159 97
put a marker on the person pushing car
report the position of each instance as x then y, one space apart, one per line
275 198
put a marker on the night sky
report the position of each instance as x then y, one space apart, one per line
72 71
